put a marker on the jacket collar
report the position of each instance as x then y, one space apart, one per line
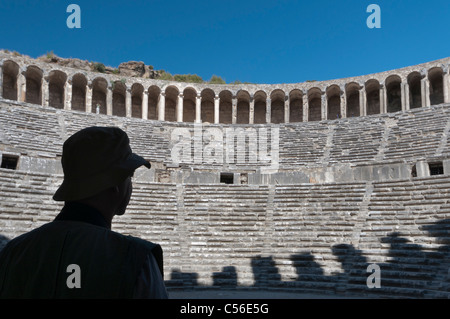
74 211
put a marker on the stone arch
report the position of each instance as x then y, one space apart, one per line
56 84
393 93
137 94
79 84
33 85
333 94
99 93
314 104
415 89
153 98
119 90
10 74
373 96
352 97
243 107
172 93
277 98
260 110
295 106
436 79
189 102
225 107
207 106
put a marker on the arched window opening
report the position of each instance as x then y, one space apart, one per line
10 75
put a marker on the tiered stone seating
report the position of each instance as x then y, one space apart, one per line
30 130
25 201
417 134
411 135
302 144
150 138
308 237
401 225
153 215
225 225
307 221
356 141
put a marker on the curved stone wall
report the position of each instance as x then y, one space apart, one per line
46 84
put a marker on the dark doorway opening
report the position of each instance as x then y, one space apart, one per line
436 168
227 178
9 161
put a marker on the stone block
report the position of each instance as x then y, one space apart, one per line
422 168
446 164
40 165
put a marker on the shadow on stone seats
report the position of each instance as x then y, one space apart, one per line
353 263
182 279
411 269
306 267
227 278
265 273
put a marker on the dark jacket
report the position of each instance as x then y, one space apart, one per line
110 265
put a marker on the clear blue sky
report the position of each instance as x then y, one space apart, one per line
278 41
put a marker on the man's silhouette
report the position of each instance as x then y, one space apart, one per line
98 165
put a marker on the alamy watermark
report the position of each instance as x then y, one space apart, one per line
374 19
232 145
374 279
74 19
74 279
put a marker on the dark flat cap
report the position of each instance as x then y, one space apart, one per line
95 159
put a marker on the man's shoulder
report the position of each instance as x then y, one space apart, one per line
109 234
25 236
79 231
145 244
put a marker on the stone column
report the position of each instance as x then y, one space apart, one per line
233 109
383 99
128 102
287 108
68 95
425 90
145 105
268 110
251 115
305 106
405 95
21 87
446 88
44 91
343 103
324 106
161 106
216 109
180 108
89 97
198 108
109 101
362 102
